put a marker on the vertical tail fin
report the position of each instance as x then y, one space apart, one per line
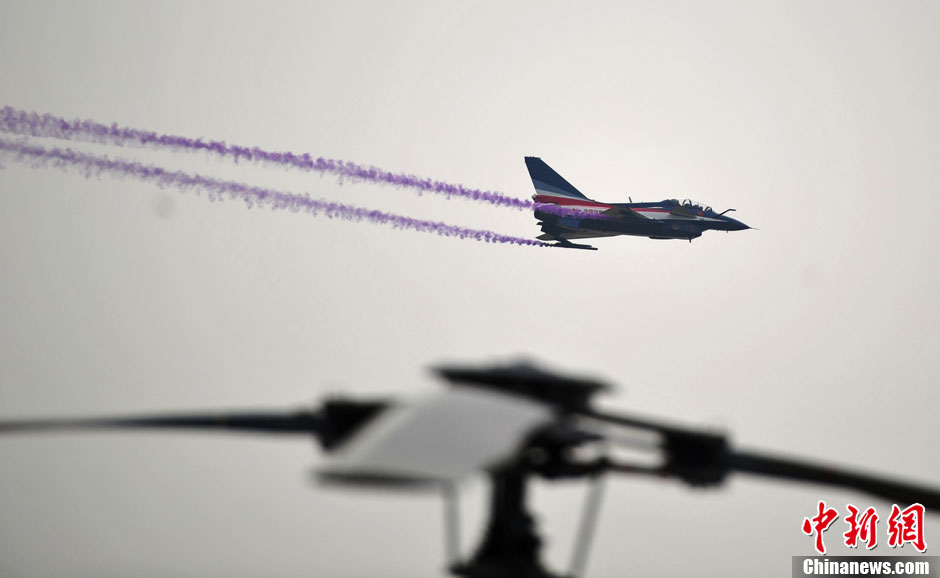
548 183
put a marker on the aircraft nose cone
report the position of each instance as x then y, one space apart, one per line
735 225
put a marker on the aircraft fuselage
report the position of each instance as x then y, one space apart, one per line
557 200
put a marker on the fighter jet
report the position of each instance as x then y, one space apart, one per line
667 219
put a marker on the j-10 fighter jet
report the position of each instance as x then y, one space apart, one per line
668 219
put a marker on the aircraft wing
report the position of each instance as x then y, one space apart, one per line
622 211
441 438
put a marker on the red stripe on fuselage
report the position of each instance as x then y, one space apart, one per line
569 201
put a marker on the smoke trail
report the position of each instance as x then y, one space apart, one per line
50 126
92 165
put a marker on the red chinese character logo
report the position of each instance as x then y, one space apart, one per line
863 527
907 525
819 524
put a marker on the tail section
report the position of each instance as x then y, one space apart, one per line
550 187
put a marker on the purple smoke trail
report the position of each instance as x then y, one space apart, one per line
95 165
50 126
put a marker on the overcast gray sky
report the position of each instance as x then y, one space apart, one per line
816 335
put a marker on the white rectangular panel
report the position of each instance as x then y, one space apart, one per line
443 437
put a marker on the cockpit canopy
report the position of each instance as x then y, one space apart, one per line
692 205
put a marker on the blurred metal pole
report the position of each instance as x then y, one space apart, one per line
452 523
582 543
